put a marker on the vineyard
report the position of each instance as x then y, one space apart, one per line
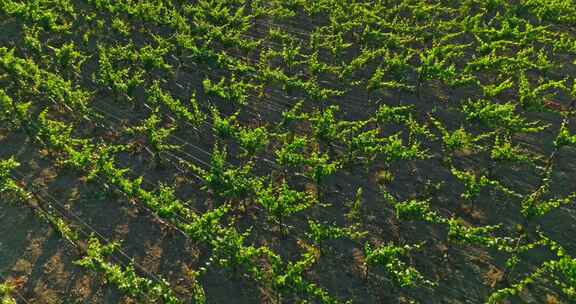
287 151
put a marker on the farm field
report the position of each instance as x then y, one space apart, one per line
287 151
